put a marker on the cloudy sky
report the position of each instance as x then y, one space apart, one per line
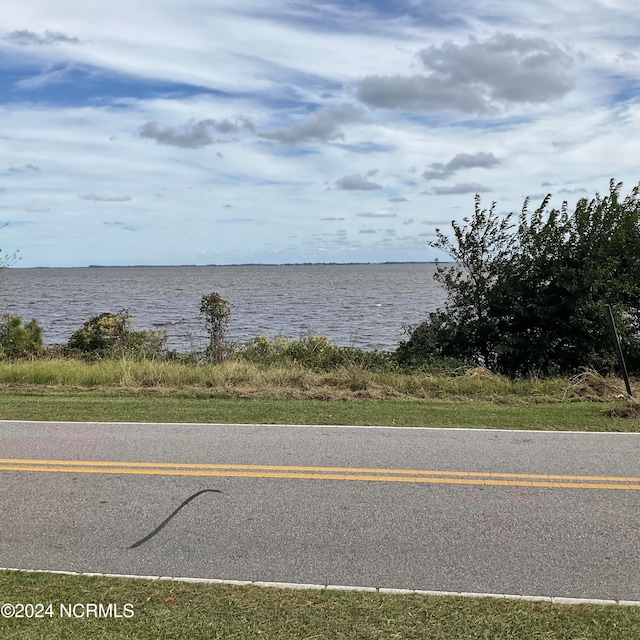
232 131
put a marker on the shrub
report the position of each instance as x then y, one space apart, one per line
109 334
100 333
442 343
18 341
314 352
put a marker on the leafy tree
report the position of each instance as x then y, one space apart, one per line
217 314
481 251
569 267
533 300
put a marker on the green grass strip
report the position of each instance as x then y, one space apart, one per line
93 406
164 609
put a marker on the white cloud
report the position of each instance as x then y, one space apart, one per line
105 197
383 213
573 191
121 225
25 37
464 187
32 209
193 135
439 171
322 126
25 168
476 77
355 182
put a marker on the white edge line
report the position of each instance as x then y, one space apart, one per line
313 426
330 587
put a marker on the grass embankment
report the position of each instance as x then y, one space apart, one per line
237 379
164 609
126 390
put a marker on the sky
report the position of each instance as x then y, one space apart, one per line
235 131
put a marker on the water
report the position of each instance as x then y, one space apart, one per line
364 306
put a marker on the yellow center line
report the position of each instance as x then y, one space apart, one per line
322 473
259 467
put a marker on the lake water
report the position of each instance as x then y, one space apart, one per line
354 305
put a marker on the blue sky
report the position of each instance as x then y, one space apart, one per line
232 131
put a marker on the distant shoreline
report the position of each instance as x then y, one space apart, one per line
239 264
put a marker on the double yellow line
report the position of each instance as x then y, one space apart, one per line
323 473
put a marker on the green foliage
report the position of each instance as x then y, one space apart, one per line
532 299
465 330
18 341
551 303
443 341
109 334
217 314
481 250
314 352
148 344
100 333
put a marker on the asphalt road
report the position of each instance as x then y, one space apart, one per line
448 510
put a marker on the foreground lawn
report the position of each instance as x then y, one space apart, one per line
148 391
196 611
112 406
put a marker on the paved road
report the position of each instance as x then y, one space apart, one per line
450 510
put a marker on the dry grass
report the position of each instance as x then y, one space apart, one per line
590 385
238 379
627 408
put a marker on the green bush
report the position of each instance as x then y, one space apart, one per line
109 335
315 352
441 343
18 341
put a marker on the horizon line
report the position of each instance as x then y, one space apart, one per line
233 264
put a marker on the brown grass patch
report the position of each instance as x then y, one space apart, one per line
590 385
481 373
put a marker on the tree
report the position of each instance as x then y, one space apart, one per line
533 300
217 314
569 266
481 251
